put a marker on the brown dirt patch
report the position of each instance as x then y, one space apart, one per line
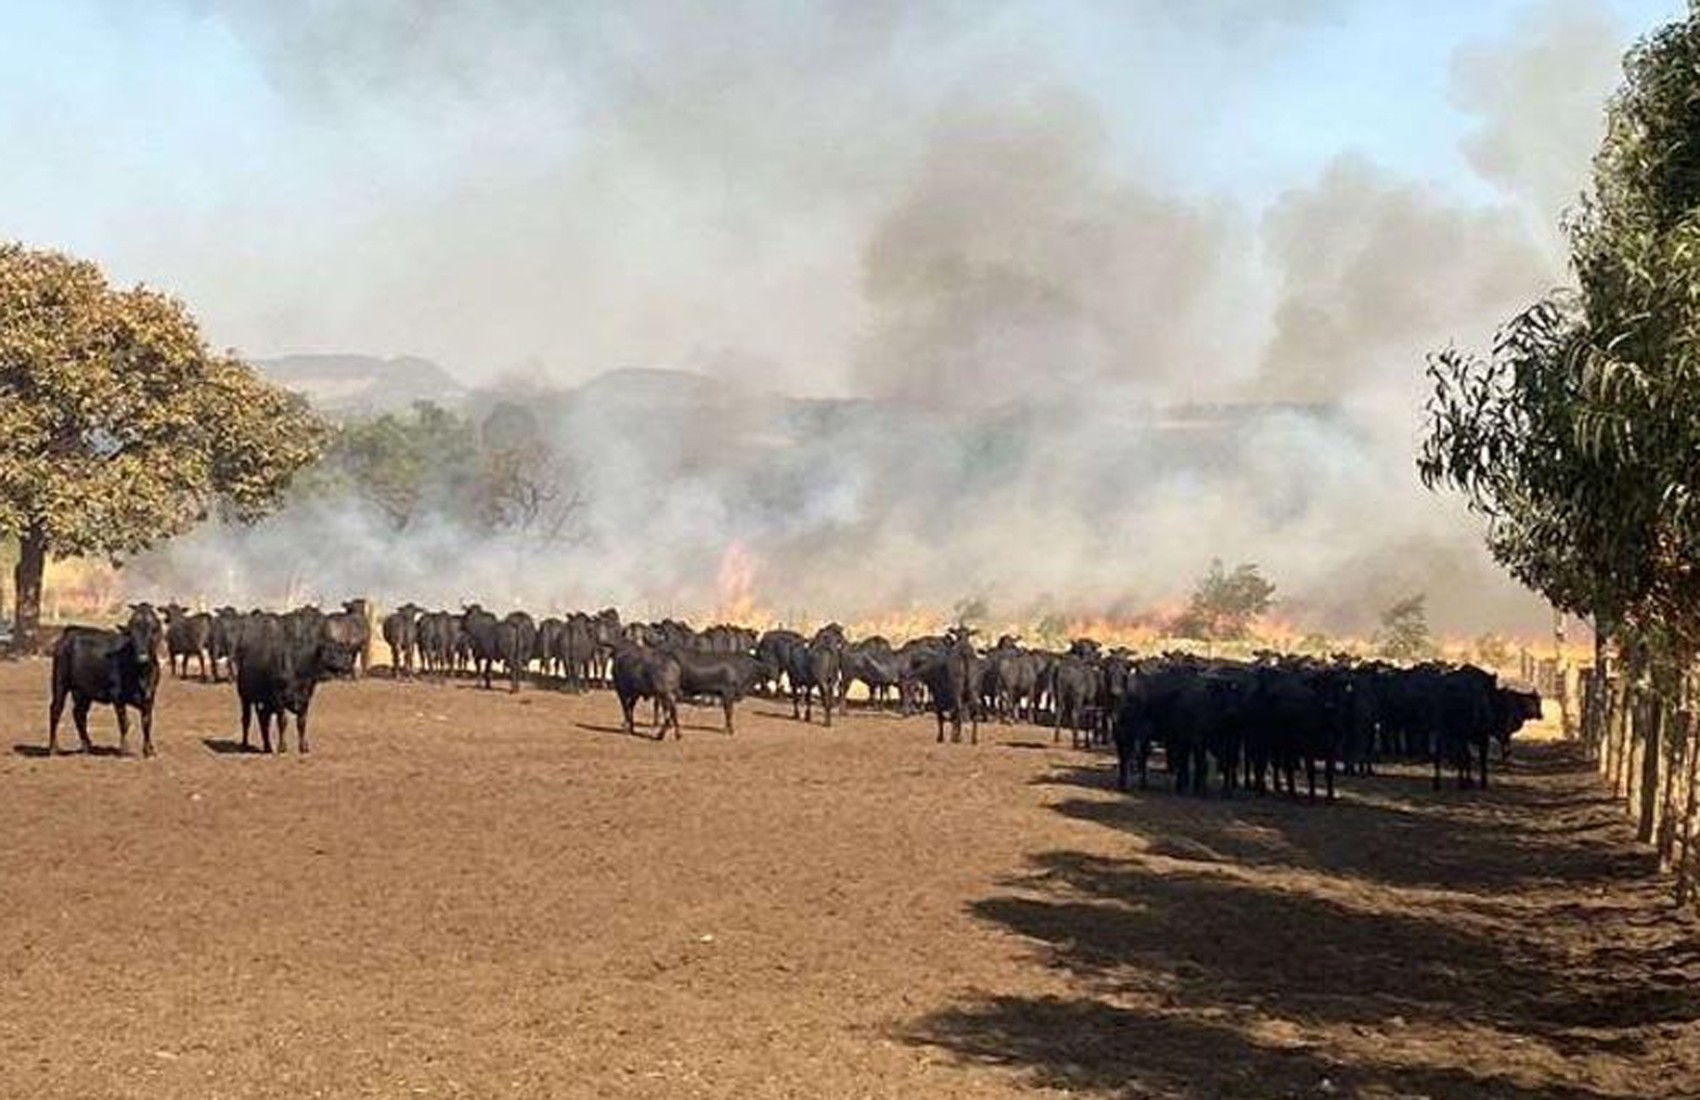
472 894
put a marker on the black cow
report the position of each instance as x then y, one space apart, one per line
773 649
1076 685
352 629
813 668
482 642
874 664
226 633
187 635
551 633
1512 708
516 644
641 673
401 634
726 677
950 678
119 667
280 661
576 650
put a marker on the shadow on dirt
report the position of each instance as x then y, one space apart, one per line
1266 948
229 746
34 751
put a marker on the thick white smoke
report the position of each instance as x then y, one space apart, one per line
933 325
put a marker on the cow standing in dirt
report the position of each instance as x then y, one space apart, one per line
278 666
401 634
187 635
119 667
641 673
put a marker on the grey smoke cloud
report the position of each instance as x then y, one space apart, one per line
1537 96
915 208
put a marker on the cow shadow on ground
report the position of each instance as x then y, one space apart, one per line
1261 949
35 751
1087 1045
230 746
643 733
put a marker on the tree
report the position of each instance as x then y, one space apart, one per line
119 427
404 465
1223 604
1576 437
1404 634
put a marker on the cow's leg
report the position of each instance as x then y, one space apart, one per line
147 727
201 657
973 727
826 695
80 715
726 702
123 715
55 711
938 712
627 705
247 721
301 731
265 730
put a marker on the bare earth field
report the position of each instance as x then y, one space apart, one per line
471 894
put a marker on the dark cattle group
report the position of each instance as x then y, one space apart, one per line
1252 725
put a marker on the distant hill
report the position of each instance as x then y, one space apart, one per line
352 384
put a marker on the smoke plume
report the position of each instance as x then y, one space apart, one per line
924 308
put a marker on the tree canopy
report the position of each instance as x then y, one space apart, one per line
1223 604
1578 436
1404 634
119 427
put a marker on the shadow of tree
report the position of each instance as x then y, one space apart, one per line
1463 946
1087 1045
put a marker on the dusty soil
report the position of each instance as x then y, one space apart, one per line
463 893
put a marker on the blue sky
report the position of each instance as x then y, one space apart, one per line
250 160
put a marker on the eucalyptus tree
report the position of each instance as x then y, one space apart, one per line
1578 437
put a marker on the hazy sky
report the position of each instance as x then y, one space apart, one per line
566 187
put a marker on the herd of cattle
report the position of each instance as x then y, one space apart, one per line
1258 722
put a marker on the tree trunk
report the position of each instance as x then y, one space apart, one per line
1674 720
1686 869
1654 714
26 599
1595 704
1622 701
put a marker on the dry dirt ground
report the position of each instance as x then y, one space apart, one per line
463 893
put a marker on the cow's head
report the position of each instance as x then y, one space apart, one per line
143 630
336 658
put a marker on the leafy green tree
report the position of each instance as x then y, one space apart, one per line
403 464
1576 437
119 427
1404 634
1223 604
